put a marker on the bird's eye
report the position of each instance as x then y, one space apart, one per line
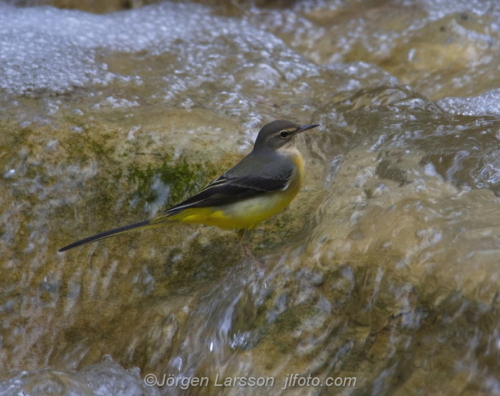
284 134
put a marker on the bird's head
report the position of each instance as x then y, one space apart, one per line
279 133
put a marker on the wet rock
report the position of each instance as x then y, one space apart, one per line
383 269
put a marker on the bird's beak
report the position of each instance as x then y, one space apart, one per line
306 128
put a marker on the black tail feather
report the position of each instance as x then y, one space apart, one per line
105 234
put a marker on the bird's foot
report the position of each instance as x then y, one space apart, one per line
247 251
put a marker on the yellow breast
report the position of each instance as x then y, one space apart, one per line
248 213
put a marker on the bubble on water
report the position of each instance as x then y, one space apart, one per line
488 103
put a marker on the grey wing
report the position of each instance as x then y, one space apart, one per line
246 179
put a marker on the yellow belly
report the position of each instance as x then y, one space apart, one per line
245 214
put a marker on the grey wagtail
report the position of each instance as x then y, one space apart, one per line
259 186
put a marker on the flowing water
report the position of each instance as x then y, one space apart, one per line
380 278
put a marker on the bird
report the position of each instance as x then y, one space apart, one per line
259 186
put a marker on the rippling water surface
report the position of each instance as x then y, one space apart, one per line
383 269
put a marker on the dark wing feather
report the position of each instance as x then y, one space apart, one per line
249 178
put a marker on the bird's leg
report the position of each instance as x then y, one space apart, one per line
243 239
243 236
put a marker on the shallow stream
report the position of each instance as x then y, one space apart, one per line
384 269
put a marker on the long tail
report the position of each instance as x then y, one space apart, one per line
122 230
